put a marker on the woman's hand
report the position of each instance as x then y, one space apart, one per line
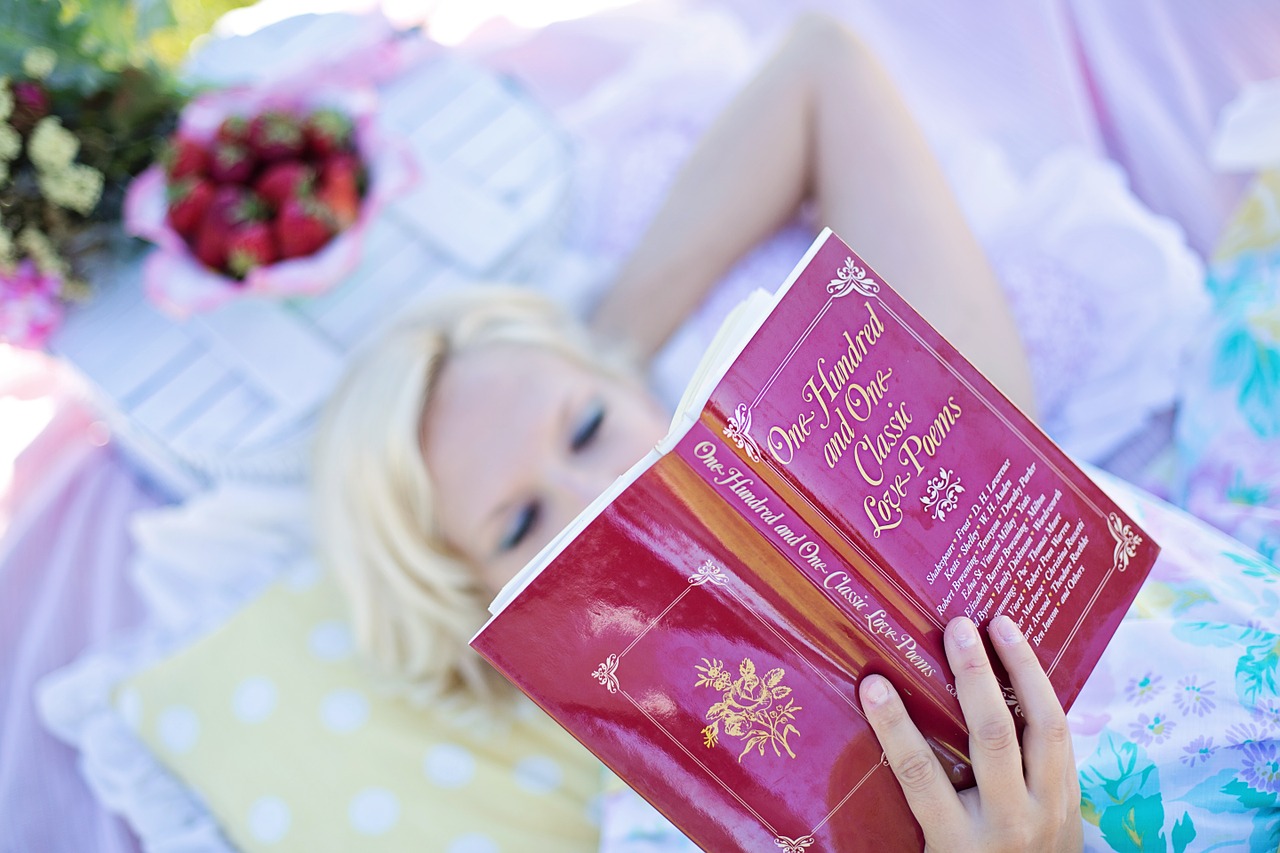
1026 799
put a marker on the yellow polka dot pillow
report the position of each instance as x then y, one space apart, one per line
274 723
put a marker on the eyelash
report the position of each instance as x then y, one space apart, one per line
526 521
588 428
582 437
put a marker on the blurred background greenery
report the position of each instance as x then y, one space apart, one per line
96 38
109 70
89 93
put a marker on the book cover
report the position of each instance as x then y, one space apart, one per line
847 486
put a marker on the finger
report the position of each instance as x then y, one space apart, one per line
932 799
993 739
1046 742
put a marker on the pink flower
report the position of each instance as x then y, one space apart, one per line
29 306
33 97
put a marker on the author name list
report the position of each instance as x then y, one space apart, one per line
1015 553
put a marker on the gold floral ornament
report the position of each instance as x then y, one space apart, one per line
751 708
1127 541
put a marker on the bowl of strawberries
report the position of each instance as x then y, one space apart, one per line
261 196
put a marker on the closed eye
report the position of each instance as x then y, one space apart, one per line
588 426
525 521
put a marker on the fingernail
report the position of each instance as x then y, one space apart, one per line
1005 630
875 691
964 634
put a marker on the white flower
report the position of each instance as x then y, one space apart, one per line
10 142
52 146
75 187
39 249
7 254
6 99
39 62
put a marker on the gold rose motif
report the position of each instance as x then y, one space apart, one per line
751 708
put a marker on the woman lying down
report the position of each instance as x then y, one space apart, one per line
423 514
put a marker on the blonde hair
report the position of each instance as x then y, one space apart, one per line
413 602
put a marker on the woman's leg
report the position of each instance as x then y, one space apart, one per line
823 121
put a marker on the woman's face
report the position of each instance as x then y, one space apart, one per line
518 440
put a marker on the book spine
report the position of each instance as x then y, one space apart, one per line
843 584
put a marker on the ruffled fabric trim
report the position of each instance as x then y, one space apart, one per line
198 564
1107 294
75 704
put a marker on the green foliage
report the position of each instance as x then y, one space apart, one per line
101 78
91 39
191 20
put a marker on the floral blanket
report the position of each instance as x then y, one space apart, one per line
1178 731
1228 426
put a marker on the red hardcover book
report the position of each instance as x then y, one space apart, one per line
839 484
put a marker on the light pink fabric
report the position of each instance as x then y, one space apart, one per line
62 590
1160 72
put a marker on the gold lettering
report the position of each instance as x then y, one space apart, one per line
913 446
789 438
861 400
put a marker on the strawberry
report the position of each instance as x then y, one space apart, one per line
284 180
276 135
302 226
230 207
210 245
233 129
189 199
231 163
249 246
328 132
340 188
185 157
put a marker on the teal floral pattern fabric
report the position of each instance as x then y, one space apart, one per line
1228 424
1177 732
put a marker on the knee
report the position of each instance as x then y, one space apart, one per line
820 40
819 33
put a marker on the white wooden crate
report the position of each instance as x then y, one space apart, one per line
232 394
